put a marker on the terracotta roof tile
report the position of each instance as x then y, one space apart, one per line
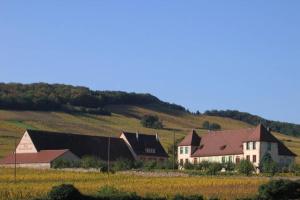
41 157
230 142
192 139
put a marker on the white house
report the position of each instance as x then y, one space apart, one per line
232 146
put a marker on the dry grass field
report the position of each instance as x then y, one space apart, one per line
123 118
38 182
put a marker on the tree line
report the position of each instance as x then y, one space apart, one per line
281 127
60 97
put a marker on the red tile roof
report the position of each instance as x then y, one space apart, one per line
230 142
260 133
192 139
45 156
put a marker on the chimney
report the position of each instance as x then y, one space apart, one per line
137 135
156 136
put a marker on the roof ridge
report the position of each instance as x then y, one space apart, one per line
68 133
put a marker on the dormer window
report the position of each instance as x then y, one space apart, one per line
223 147
150 150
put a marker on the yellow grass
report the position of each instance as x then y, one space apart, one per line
38 182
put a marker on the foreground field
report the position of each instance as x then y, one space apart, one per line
34 183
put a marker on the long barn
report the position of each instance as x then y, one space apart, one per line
39 149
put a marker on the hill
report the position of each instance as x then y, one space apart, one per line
281 127
123 117
82 100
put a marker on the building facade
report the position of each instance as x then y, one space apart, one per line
39 149
232 146
145 147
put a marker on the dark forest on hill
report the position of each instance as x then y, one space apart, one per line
68 98
281 127
60 97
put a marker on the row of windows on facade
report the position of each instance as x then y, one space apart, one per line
224 159
184 150
248 145
150 150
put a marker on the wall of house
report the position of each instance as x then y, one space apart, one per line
26 145
251 152
185 155
286 160
273 152
30 165
220 159
153 158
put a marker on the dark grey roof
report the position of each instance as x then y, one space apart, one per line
80 145
140 142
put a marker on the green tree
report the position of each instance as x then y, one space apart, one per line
245 167
268 165
151 121
215 126
205 125
279 190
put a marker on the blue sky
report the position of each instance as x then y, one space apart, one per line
203 55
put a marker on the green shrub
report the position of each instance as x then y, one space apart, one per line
229 166
112 193
63 163
188 165
204 165
211 126
294 168
279 190
153 197
122 164
151 121
213 168
150 165
92 162
267 165
191 197
64 192
245 167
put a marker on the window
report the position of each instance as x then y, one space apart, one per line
237 159
181 162
248 145
248 157
254 145
186 160
223 159
195 161
181 150
269 146
150 150
186 150
230 158
254 158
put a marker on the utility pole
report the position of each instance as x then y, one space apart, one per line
173 150
108 158
15 170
